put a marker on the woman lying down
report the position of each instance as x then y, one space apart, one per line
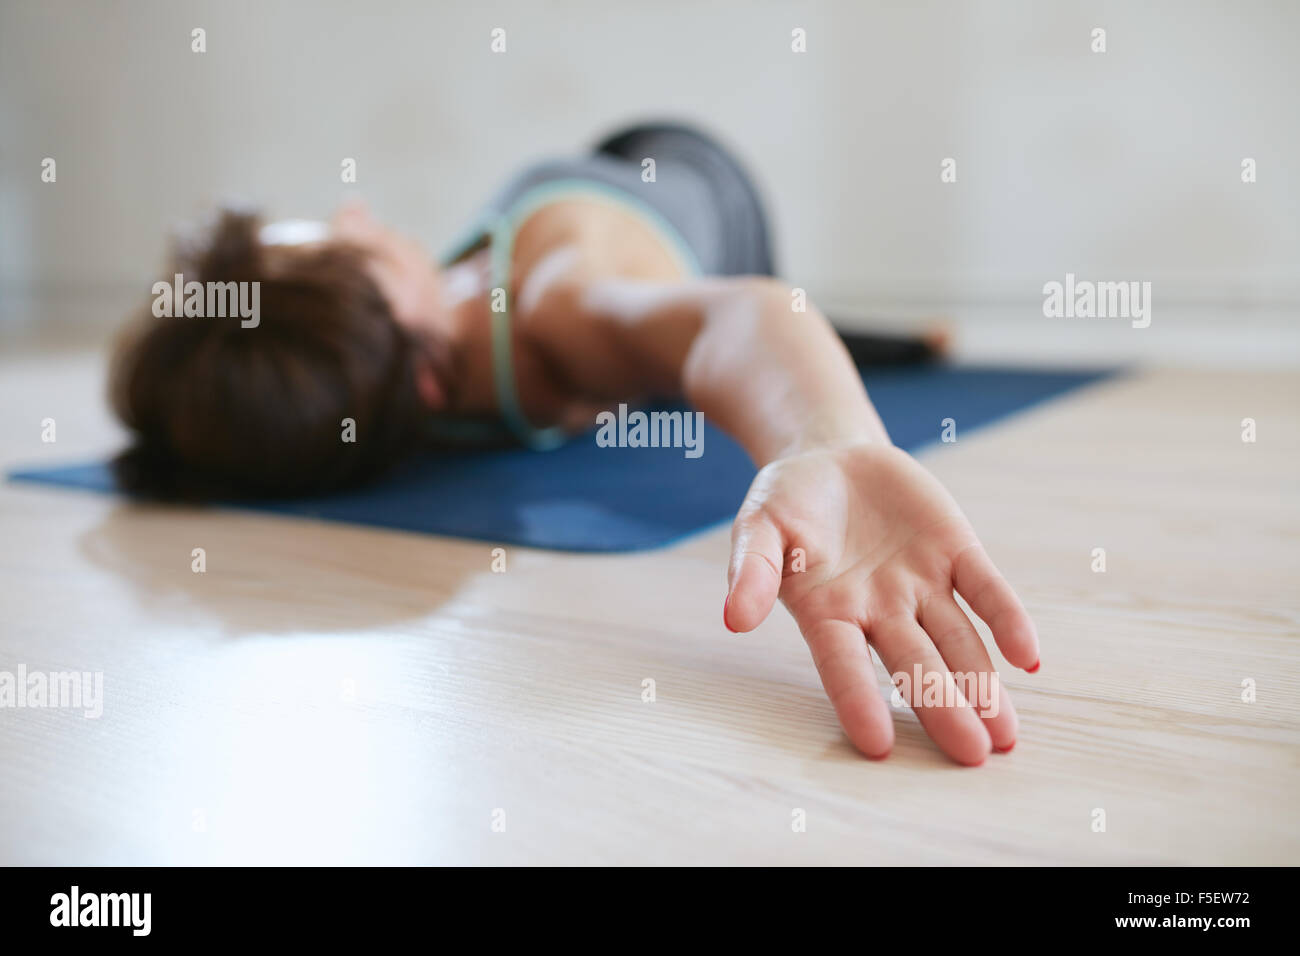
588 285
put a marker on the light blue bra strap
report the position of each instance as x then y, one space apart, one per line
503 366
502 233
468 240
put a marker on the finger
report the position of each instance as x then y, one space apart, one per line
991 597
843 660
754 575
922 679
961 648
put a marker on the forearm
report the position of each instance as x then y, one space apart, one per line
777 380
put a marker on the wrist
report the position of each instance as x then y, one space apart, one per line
863 427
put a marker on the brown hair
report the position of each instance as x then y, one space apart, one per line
220 411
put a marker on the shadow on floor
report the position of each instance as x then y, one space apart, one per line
265 574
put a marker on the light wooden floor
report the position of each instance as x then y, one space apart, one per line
327 693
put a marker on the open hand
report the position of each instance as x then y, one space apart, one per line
881 545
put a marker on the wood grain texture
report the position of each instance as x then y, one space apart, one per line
326 693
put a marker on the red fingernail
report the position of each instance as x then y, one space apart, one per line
1031 670
724 615
1007 749
880 756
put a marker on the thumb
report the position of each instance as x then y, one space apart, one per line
754 575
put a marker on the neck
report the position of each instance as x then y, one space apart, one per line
468 332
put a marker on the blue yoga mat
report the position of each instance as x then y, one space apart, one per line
582 497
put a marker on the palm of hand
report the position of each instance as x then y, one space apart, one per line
865 547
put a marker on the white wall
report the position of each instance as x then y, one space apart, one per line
1122 165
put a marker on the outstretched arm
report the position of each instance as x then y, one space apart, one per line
860 542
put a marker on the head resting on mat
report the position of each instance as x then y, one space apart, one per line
345 332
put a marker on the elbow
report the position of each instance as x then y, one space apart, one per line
764 299
777 298
767 292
